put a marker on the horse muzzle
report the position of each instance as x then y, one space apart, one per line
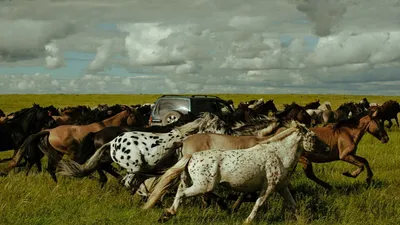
384 140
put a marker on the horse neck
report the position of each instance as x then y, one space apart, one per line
358 132
288 149
116 120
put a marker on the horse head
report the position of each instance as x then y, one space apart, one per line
312 105
35 119
376 127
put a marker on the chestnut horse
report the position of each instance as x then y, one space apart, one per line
64 139
343 138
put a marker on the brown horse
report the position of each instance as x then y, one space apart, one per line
343 138
65 139
389 111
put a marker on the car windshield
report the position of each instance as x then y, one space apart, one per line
173 104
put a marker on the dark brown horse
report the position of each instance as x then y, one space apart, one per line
343 138
64 139
388 111
312 105
295 112
245 114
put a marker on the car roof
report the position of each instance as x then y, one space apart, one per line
191 96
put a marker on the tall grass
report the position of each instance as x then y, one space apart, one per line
36 199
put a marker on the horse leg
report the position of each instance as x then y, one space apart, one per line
390 123
38 164
397 121
28 167
259 202
288 200
53 159
220 201
110 169
308 170
360 162
103 178
182 192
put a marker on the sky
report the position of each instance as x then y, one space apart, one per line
200 46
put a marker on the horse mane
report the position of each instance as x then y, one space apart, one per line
206 121
291 126
262 123
98 115
25 117
389 104
288 109
351 122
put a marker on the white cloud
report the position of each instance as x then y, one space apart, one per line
102 56
54 58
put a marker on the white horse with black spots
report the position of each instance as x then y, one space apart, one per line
139 152
265 167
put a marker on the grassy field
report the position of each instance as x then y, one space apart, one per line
36 199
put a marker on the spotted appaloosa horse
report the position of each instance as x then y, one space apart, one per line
265 167
138 152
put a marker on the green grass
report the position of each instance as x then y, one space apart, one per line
36 199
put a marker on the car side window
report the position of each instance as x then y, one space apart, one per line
166 105
204 105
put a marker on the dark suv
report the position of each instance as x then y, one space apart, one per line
169 108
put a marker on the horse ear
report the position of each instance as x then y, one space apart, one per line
375 114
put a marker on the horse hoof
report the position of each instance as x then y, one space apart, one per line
165 217
3 174
347 174
369 181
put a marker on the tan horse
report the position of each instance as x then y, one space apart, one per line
65 139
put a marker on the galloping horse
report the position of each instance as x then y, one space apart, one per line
25 122
265 167
343 138
64 140
138 152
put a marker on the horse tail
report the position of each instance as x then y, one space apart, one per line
86 148
72 168
30 146
166 180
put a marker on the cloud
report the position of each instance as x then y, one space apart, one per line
54 58
102 56
189 46
25 39
324 13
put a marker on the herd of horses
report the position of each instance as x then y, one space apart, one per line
252 151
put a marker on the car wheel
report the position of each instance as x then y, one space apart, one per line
171 117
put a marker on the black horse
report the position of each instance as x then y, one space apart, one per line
25 122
